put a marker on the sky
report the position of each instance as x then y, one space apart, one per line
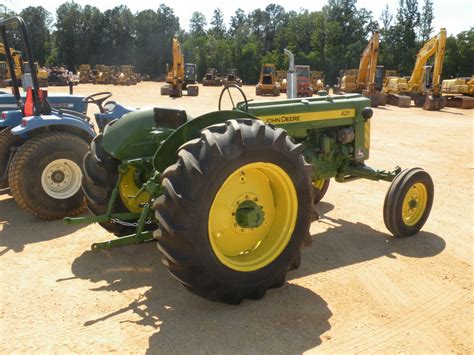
454 15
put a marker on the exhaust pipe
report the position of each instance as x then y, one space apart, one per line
291 91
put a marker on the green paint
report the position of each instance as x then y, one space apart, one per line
135 135
249 215
314 122
127 240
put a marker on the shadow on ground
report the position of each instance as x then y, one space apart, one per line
347 243
18 228
292 318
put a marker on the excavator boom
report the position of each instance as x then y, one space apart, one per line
423 86
435 46
368 61
176 74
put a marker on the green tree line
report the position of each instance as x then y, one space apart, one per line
329 40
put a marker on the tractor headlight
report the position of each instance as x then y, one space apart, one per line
367 113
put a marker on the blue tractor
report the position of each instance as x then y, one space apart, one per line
41 148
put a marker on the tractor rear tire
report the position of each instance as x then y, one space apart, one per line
7 141
200 232
408 202
45 175
100 178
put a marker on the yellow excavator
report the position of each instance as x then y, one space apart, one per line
181 76
17 59
459 92
424 84
368 79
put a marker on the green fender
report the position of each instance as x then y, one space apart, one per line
166 154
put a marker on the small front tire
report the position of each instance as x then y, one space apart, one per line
408 202
320 189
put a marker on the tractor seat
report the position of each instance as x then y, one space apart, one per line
170 117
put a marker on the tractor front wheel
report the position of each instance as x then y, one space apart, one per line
235 210
320 189
45 175
408 202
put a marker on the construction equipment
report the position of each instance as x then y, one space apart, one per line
424 84
42 73
85 74
268 84
58 76
126 76
459 92
41 148
229 196
317 80
281 79
232 78
368 78
212 78
3 74
303 81
181 76
18 65
104 74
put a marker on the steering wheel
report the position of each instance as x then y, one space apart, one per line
98 99
227 88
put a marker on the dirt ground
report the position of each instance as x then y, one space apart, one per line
358 288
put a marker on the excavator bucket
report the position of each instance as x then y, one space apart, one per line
434 103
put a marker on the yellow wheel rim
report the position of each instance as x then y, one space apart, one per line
128 189
253 216
319 183
414 204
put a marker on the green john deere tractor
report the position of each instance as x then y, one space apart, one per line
229 196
